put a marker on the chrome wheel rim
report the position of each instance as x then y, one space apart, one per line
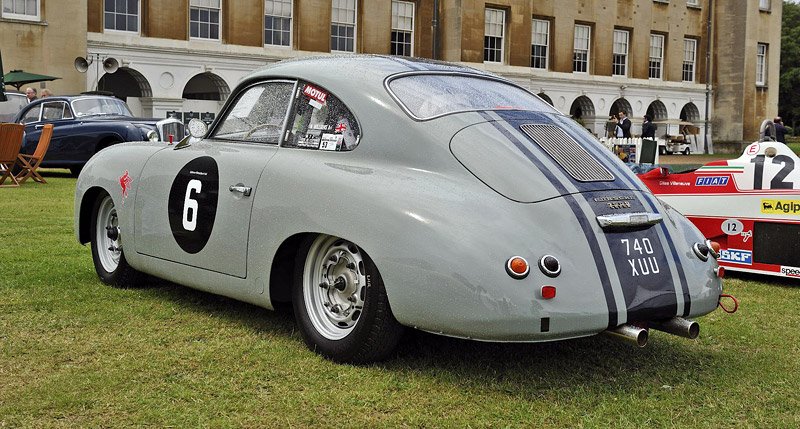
109 239
334 286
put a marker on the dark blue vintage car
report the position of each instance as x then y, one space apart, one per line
84 125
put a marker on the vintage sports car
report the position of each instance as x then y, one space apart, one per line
377 193
749 205
85 124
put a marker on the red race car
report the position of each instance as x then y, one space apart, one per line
749 205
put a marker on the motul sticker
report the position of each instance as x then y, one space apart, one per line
780 207
316 95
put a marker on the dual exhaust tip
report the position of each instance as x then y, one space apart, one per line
639 336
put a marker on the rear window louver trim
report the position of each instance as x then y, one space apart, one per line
568 153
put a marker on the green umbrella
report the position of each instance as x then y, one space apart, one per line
17 78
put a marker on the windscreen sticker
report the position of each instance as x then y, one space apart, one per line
192 205
125 183
349 140
311 140
317 97
331 142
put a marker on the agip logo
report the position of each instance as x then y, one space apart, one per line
791 207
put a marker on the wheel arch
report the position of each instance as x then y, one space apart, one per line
85 214
107 141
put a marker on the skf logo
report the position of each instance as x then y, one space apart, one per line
780 206
790 271
736 256
712 181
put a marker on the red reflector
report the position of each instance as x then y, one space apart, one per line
715 246
721 272
548 292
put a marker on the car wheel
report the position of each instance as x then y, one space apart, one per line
340 302
106 240
686 151
662 150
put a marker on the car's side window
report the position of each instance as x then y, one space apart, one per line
31 115
55 110
258 114
321 121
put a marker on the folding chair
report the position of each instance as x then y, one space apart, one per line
10 144
29 163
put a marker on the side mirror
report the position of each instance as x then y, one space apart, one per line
197 128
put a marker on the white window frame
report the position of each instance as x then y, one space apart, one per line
344 5
693 3
689 58
290 18
621 48
762 50
765 5
138 20
656 57
578 47
494 19
540 32
21 16
400 23
208 6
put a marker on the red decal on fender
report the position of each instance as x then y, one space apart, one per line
125 183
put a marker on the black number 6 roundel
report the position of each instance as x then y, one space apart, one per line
192 205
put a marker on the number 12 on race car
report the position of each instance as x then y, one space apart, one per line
190 205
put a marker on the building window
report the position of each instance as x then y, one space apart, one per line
343 25
540 38
121 15
761 65
656 55
278 22
580 56
204 19
619 63
689 59
695 3
402 28
493 35
17 9
763 5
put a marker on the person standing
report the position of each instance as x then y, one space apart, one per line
46 93
625 124
30 94
780 130
648 128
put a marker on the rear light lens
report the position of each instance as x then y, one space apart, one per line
548 292
550 266
517 267
714 246
721 272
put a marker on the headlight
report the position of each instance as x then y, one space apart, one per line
152 136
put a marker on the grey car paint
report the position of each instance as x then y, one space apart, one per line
439 218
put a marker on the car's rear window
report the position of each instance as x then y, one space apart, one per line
426 96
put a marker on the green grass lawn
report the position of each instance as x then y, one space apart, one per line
76 353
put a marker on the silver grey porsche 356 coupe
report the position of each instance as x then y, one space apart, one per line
376 193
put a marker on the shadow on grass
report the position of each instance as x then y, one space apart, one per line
524 369
785 282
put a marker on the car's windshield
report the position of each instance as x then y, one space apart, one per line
426 96
100 106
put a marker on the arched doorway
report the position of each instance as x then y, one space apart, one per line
690 113
544 97
125 82
658 111
582 108
206 86
620 105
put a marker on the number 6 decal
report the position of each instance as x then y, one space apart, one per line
190 205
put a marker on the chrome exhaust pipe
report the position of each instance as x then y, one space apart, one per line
678 326
630 333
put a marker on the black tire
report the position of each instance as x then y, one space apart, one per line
662 150
360 331
110 265
686 151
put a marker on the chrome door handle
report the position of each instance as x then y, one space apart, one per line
240 188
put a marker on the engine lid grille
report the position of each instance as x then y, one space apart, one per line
568 153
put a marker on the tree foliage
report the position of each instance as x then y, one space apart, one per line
789 101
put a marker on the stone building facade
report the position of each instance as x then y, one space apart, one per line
589 58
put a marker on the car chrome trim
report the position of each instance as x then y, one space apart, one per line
570 155
627 220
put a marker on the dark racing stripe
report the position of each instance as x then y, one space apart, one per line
591 238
